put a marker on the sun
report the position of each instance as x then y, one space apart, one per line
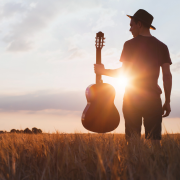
121 82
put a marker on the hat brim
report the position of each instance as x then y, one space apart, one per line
151 27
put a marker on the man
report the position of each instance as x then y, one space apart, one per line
142 58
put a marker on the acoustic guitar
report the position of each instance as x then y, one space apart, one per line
100 114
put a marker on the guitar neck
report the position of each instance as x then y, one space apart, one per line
99 45
98 61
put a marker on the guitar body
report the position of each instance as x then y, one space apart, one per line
100 114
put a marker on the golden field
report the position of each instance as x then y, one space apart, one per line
87 156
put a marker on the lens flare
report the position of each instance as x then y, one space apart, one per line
120 83
123 81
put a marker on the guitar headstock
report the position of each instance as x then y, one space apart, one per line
99 40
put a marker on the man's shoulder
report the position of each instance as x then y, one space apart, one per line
138 39
159 42
132 41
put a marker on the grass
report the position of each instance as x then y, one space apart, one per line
87 156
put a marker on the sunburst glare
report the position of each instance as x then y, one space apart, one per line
120 83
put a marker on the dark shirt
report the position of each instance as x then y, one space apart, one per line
145 56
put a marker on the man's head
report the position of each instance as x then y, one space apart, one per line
140 21
136 26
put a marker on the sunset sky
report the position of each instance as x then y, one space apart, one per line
47 52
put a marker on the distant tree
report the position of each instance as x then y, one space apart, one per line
13 131
27 131
39 131
36 130
1 132
17 131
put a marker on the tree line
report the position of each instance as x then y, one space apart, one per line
25 131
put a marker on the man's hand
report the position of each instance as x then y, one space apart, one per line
99 69
166 109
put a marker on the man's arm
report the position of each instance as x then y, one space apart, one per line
167 81
99 69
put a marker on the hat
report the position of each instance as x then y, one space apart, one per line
144 17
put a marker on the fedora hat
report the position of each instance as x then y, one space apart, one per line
144 17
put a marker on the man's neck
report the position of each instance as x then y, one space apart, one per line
145 32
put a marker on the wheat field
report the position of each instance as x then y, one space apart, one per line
87 156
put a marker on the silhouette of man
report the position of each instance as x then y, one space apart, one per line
142 58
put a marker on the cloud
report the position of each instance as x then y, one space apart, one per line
20 45
70 101
56 112
77 54
11 8
21 34
175 56
105 19
38 15
175 99
176 67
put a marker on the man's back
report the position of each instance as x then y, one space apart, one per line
145 55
